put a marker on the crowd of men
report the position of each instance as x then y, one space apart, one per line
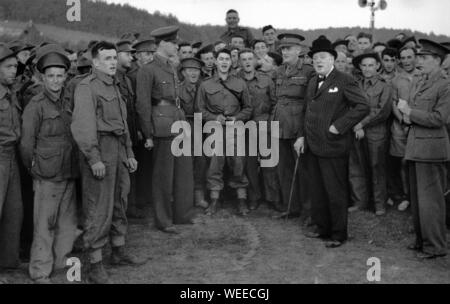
86 137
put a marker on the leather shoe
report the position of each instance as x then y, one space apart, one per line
170 229
333 244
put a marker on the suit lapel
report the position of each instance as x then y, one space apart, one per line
326 84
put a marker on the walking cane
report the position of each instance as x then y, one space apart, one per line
291 193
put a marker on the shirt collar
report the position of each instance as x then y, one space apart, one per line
103 77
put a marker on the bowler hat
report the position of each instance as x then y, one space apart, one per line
322 44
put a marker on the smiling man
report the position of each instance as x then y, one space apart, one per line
99 127
232 20
48 152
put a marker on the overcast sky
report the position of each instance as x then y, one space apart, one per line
421 15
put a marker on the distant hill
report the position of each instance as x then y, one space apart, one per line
100 19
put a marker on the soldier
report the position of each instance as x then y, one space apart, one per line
263 60
206 55
403 86
262 94
365 41
341 62
10 195
270 37
190 68
225 99
73 57
367 163
124 60
145 51
100 129
341 46
291 81
158 107
232 19
389 58
237 41
47 151
428 150
352 44
185 50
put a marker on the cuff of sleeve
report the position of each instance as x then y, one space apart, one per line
94 158
343 126
130 153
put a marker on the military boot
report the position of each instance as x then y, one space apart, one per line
242 207
199 199
120 257
212 209
98 274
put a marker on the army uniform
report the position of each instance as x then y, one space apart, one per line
47 150
100 129
11 209
262 94
240 31
367 162
157 92
290 86
427 152
213 98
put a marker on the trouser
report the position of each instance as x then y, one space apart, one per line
329 191
11 209
262 181
172 185
55 225
26 235
237 179
105 200
367 172
398 178
428 182
143 176
285 173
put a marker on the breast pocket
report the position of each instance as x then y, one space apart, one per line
52 124
296 87
109 107
167 89
214 96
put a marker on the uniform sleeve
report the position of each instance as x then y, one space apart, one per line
200 104
359 107
246 105
438 115
382 111
128 142
84 123
395 98
144 85
30 129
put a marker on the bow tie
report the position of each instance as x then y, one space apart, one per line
322 78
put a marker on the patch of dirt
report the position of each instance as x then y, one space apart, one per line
228 249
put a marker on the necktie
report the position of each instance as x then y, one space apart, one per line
320 81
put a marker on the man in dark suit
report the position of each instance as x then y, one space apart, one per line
334 105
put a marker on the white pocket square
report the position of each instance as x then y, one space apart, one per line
333 90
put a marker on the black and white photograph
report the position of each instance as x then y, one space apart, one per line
224 148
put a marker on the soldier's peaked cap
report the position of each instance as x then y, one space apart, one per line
124 46
51 55
148 45
191 63
168 33
289 39
432 48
